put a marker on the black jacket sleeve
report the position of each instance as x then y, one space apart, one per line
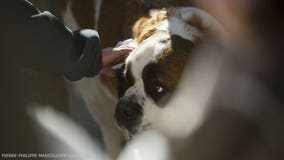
38 40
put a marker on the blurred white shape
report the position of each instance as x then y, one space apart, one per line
68 131
149 145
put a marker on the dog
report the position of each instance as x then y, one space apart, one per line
152 71
150 75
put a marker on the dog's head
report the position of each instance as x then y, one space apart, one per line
152 71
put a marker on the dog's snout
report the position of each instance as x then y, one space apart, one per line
128 113
128 109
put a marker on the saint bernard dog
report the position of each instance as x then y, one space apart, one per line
152 71
135 100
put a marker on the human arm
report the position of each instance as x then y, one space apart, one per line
40 41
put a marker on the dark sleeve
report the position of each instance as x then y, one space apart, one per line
38 40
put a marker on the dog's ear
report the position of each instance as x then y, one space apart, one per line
137 28
146 26
200 19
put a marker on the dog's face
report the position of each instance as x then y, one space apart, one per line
152 71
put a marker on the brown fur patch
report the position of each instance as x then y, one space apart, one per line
83 11
168 69
146 26
110 83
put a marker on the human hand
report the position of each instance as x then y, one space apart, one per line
113 57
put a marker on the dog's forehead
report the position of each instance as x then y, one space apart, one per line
148 51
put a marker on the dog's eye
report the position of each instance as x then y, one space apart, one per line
159 89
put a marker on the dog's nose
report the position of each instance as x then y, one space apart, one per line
128 113
128 109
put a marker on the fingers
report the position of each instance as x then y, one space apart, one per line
112 57
107 50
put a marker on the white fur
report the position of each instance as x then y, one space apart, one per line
176 25
207 21
179 27
148 51
101 104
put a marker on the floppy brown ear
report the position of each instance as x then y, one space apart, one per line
137 28
146 26
200 19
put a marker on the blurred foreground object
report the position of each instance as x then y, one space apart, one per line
244 114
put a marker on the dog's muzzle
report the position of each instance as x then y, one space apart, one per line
128 114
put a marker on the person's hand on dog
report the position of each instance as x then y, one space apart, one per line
113 57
